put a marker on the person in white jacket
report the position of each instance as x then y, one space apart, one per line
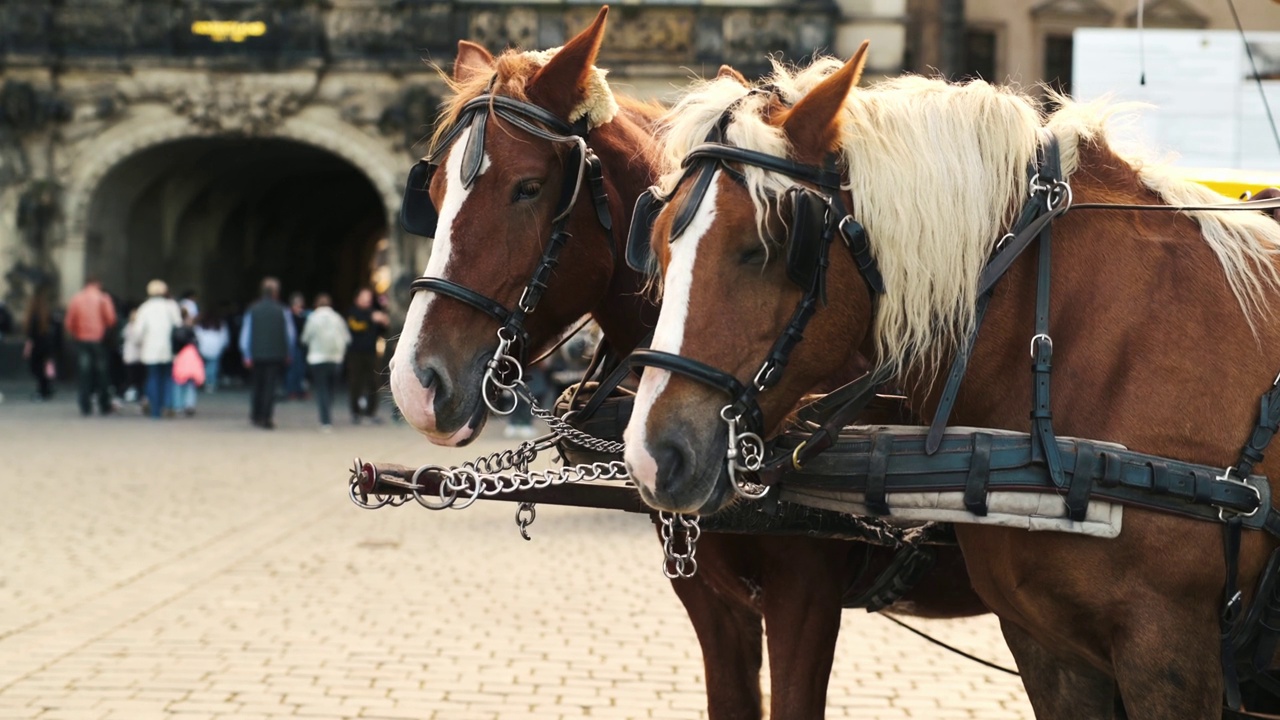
326 337
156 319
131 354
212 339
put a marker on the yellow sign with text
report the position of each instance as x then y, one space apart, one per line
224 30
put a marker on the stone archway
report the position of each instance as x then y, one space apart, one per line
217 214
138 151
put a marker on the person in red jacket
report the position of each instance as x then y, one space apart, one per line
90 314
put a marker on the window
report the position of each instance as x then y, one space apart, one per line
1058 51
979 55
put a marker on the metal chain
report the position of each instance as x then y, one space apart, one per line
507 471
680 535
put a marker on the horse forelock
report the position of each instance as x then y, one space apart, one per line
512 71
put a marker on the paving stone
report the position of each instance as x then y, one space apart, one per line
204 570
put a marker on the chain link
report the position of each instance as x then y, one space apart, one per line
507 471
680 535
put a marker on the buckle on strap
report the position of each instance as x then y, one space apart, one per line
1229 475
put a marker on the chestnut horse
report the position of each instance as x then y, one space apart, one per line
490 238
1162 327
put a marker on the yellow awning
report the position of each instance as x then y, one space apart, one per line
1232 183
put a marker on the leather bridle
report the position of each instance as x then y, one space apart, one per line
818 216
419 216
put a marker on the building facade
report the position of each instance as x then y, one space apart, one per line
211 142
1029 41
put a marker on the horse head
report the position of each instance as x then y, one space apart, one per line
511 191
742 243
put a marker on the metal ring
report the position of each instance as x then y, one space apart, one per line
795 456
1007 237
503 411
1038 336
1060 191
725 414
744 489
417 495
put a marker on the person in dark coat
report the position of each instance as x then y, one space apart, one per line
267 340
366 323
44 342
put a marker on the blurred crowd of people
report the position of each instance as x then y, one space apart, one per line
160 354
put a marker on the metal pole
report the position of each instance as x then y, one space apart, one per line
951 37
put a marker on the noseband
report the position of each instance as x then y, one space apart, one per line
817 217
419 216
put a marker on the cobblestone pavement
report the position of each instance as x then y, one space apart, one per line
195 568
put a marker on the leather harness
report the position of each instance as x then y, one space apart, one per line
419 215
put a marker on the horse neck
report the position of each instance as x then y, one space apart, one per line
1147 334
626 148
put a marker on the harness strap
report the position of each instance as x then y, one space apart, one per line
1234 206
610 383
1231 605
951 389
492 308
824 178
1046 447
1263 432
696 370
1009 247
909 564
836 409
975 486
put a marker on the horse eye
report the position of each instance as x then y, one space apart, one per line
528 190
755 256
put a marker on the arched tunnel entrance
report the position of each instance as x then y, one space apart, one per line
217 214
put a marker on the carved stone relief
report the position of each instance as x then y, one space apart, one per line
233 108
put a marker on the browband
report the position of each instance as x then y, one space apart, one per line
822 177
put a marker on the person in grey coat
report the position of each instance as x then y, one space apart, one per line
267 339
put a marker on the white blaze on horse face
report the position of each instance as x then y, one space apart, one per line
416 403
668 336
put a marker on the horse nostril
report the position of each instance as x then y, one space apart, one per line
674 465
427 376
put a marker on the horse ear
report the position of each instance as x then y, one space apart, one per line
472 60
814 122
561 84
728 72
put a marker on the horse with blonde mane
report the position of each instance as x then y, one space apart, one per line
492 233
1162 337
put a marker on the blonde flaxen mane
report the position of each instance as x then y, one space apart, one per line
937 172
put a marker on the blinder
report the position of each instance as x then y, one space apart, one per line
417 211
809 238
